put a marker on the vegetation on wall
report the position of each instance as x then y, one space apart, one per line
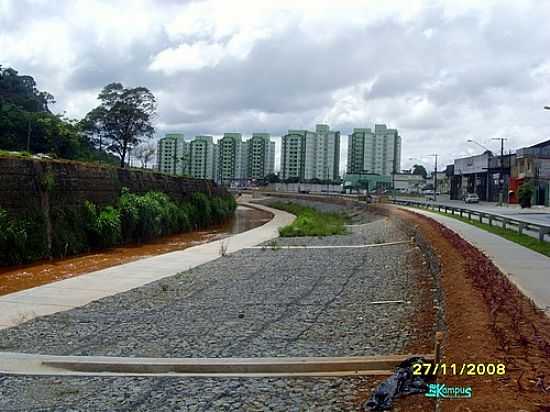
134 219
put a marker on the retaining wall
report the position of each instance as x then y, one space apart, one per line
29 184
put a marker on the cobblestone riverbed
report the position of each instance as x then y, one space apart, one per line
259 302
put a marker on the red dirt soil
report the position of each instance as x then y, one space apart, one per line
489 321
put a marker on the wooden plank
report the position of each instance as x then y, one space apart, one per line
242 366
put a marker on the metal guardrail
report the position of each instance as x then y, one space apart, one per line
519 225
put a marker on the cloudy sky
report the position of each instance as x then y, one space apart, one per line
440 71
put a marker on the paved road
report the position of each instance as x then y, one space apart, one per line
534 215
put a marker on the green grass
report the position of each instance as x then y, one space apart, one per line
6 153
310 222
521 239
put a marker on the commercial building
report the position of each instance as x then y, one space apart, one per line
307 155
409 183
232 159
532 164
202 158
172 154
470 175
377 152
260 156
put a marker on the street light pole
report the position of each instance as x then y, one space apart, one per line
435 155
479 144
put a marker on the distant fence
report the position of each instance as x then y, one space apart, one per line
490 218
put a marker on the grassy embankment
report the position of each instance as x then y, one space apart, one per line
509 234
311 222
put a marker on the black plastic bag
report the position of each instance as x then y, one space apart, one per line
402 382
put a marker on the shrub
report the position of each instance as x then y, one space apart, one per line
135 218
70 236
310 222
203 210
525 193
21 240
108 227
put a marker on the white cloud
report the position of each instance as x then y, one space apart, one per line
440 71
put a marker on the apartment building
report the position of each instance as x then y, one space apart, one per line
232 164
377 151
260 156
172 154
203 158
307 155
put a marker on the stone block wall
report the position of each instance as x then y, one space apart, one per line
29 184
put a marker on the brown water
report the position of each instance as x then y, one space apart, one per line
16 278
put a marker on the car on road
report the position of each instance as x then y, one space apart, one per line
471 198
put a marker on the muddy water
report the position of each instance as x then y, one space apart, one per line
15 278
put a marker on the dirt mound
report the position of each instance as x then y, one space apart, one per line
488 320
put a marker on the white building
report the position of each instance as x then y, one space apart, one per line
203 158
409 183
307 155
172 154
260 156
374 152
232 164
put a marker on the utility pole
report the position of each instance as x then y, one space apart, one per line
501 170
435 155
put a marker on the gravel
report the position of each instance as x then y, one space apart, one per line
253 303
179 394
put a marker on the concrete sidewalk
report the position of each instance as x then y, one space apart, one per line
529 270
80 290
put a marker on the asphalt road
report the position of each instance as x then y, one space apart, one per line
539 216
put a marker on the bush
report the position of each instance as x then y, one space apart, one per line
21 240
525 193
108 227
136 218
203 209
310 222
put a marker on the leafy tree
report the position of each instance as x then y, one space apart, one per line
122 120
293 179
525 193
26 122
420 170
272 178
21 91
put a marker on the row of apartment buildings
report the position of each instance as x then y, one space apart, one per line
305 155
230 159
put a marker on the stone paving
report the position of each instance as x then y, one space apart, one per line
255 302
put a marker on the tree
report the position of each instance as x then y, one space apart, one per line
272 178
525 193
122 120
26 122
145 152
420 170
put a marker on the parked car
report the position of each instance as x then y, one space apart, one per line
471 198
